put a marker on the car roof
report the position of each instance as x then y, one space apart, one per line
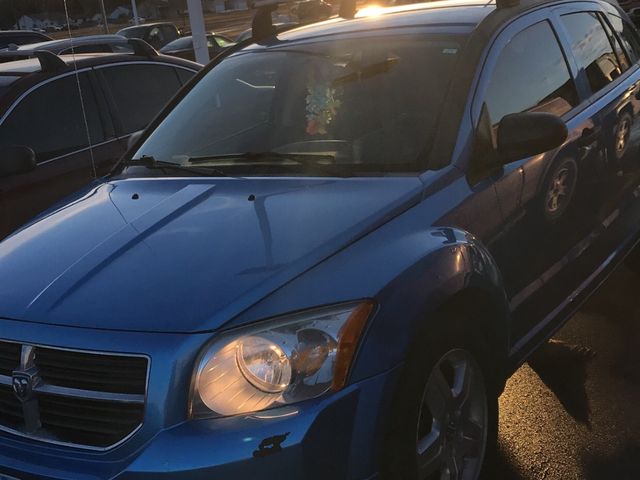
458 15
465 14
10 72
18 76
64 43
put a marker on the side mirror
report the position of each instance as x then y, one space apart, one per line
15 159
133 139
522 135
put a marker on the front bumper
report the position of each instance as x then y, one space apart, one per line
336 436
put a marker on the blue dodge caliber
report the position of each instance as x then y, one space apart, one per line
325 257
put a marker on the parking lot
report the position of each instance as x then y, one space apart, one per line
571 412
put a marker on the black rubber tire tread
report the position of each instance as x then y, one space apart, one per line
453 328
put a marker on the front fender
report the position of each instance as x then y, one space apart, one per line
411 271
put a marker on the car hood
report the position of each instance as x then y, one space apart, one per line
184 254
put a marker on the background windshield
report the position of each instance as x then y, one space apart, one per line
369 104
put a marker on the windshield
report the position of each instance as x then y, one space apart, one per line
366 105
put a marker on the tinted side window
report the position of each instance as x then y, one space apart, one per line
627 35
169 33
155 38
623 60
531 74
592 49
140 91
50 119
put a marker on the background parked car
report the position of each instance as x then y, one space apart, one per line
40 110
155 34
86 44
21 37
183 47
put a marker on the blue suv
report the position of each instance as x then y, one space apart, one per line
326 256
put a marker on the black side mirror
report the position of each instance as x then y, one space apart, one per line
15 159
522 135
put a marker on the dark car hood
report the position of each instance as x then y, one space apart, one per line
184 254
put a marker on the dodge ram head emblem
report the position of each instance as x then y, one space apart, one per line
22 386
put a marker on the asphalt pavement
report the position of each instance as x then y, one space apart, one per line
573 411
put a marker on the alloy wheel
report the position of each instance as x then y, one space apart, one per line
453 420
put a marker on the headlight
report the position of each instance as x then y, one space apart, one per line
279 362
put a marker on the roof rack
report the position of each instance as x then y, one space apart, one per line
49 62
142 48
262 25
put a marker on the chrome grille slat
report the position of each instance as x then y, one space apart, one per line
91 400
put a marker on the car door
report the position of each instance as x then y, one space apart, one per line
528 71
137 91
70 152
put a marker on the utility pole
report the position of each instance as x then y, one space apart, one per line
104 17
198 35
134 11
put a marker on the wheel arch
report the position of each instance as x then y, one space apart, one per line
466 277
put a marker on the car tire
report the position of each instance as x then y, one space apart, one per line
559 189
433 434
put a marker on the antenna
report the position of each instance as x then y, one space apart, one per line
84 112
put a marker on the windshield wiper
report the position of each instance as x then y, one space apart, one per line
300 158
150 162
309 160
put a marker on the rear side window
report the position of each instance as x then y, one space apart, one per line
155 37
592 49
169 33
623 60
50 119
139 92
531 74
628 37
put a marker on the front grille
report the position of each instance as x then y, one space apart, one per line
10 408
105 373
9 357
86 399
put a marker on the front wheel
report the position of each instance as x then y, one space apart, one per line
453 420
445 414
